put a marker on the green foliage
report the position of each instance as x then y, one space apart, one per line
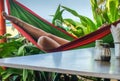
21 47
112 9
84 20
13 48
5 35
104 12
97 14
76 28
58 15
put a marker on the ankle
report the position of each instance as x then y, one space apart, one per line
5 16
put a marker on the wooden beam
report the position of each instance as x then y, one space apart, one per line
2 21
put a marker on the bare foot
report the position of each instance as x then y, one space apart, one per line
5 16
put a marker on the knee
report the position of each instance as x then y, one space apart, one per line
41 40
47 43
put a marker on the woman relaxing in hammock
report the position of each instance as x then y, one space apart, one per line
46 40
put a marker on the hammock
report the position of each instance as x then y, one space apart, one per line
20 11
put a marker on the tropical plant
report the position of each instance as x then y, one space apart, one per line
21 47
74 27
104 12
13 48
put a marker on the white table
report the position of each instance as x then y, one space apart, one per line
78 62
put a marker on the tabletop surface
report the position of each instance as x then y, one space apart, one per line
79 62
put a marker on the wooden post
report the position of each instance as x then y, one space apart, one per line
2 21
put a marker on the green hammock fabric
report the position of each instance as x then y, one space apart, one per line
33 19
19 12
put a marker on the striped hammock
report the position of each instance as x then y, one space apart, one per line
22 12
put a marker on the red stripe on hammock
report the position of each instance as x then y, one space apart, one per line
21 30
27 36
83 40
52 25
100 33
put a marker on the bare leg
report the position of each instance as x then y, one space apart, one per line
27 27
47 43
35 32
